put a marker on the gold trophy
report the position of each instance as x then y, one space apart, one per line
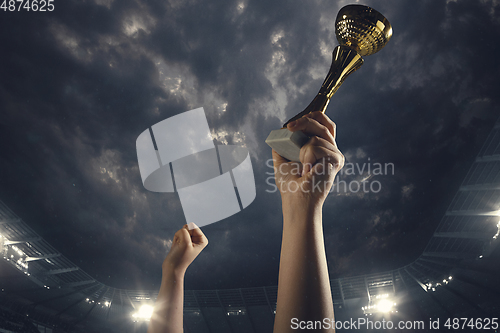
361 31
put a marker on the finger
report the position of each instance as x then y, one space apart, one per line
311 127
196 233
179 236
309 155
333 157
324 120
176 238
316 149
184 235
197 236
326 166
283 166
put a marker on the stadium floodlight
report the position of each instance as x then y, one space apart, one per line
18 250
385 305
144 314
380 304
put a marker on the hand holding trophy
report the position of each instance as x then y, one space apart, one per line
361 31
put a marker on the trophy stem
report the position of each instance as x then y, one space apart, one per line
345 61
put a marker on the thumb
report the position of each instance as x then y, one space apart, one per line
278 159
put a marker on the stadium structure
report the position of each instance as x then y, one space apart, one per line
456 276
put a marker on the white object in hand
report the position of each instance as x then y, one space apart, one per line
287 143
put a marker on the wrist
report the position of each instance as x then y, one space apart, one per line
301 203
303 197
172 272
297 210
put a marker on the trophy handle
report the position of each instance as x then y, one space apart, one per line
345 61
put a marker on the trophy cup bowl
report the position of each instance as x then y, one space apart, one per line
360 31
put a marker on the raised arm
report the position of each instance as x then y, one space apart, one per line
304 286
167 315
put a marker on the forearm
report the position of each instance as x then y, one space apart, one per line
168 311
304 286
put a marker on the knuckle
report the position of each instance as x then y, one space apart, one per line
303 120
341 161
316 114
332 127
314 140
337 159
325 131
306 152
305 148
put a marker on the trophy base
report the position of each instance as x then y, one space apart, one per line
287 143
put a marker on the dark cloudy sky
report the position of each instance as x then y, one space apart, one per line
79 84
